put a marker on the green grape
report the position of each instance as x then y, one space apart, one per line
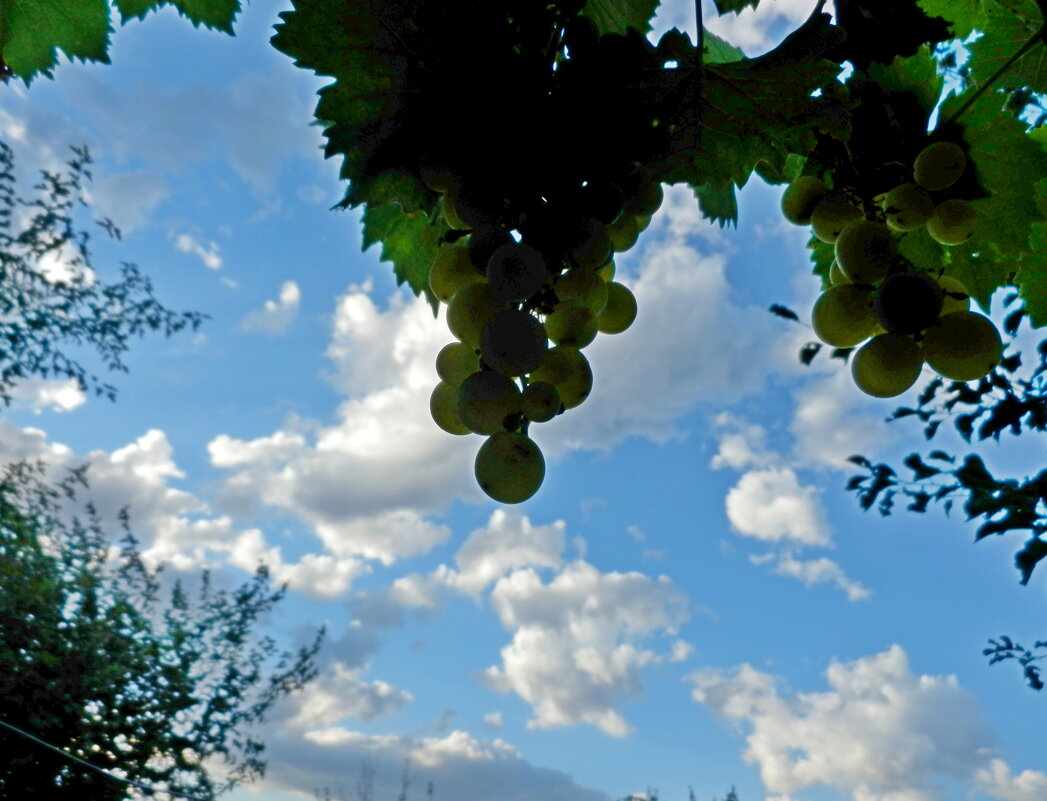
831 215
642 221
952 222
456 362
452 269
451 217
488 402
470 309
800 198
513 342
540 402
886 365
571 324
646 199
939 166
515 272
865 251
437 175
907 206
955 295
837 277
908 302
569 371
443 406
964 346
509 467
843 316
620 310
607 271
583 288
590 246
624 232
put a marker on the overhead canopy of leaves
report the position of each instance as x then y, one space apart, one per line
32 32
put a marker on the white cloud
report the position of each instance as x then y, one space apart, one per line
207 254
998 781
493 719
276 315
40 394
880 733
758 30
574 656
338 693
772 505
819 571
741 445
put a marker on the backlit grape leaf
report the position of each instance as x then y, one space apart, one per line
917 74
719 51
822 256
1032 277
31 30
409 241
216 14
962 17
617 16
1008 24
718 204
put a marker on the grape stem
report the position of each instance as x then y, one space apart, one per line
1021 51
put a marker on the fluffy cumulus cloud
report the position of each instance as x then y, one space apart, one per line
879 733
276 315
341 692
771 504
40 394
577 649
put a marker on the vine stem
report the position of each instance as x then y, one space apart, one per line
1021 51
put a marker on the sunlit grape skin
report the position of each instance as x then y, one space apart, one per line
540 402
620 311
509 467
865 250
486 401
800 198
569 371
843 316
456 362
952 222
443 408
887 365
964 346
939 165
831 215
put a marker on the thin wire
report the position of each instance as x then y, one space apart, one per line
146 788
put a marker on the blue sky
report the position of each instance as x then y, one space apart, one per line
690 600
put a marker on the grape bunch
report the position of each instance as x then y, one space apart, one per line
527 273
904 316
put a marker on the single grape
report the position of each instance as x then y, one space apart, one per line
456 362
513 342
540 402
646 198
939 166
583 288
952 222
624 232
443 406
571 324
515 272
886 365
452 269
450 212
837 276
607 271
470 309
590 244
963 346
843 316
800 198
436 174
509 467
487 402
907 207
908 302
955 295
865 251
620 310
832 214
569 371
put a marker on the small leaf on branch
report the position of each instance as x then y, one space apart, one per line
808 352
782 311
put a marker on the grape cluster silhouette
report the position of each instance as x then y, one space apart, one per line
898 317
529 283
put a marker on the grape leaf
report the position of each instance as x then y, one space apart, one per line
32 30
717 204
617 16
963 18
719 51
409 241
215 14
1007 25
917 74
1032 277
822 257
